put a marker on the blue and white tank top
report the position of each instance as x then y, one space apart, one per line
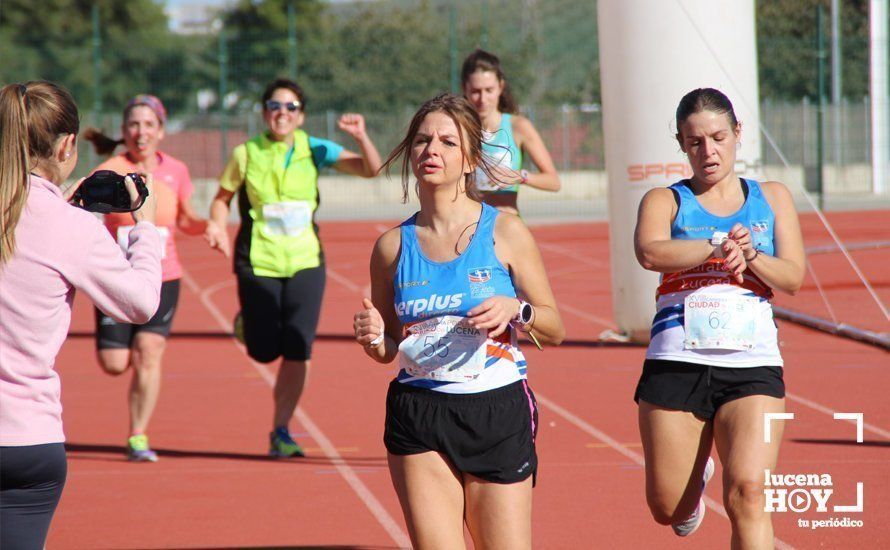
500 150
428 291
669 338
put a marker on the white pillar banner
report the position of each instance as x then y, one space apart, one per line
651 54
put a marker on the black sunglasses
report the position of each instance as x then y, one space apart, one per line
272 105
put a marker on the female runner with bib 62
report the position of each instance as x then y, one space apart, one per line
713 368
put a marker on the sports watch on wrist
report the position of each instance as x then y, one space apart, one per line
717 240
524 315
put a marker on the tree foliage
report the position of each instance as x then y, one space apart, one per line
379 56
53 39
787 47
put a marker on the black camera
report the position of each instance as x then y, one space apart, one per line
105 192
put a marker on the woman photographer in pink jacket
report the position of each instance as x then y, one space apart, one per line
49 248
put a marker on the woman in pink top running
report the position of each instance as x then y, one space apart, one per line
49 248
119 345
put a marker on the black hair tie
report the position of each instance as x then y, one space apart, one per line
23 89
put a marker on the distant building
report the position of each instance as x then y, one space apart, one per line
194 16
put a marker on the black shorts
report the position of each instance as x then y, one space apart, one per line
111 334
490 435
280 315
702 389
31 481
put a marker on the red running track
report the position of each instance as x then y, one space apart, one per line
214 488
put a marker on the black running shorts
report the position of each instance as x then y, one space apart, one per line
490 435
702 389
280 315
111 334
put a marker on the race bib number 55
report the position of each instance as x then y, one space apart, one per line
445 348
720 321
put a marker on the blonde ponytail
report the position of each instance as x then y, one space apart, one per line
14 164
32 118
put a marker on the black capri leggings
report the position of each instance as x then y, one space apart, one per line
280 315
31 482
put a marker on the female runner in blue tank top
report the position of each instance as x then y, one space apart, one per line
713 367
448 292
506 135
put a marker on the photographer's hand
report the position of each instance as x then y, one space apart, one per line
68 193
148 211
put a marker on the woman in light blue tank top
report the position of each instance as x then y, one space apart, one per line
713 367
506 135
451 288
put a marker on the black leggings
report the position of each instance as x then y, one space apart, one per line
31 482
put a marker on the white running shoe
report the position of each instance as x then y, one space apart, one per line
690 524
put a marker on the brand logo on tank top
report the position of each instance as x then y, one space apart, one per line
697 229
478 277
435 304
479 274
760 227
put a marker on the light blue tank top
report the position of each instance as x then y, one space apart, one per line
424 289
694 222
501 150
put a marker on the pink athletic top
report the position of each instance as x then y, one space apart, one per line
60 248
172 185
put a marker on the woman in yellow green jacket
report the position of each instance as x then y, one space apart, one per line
279 262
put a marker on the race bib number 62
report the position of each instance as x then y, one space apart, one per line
720 321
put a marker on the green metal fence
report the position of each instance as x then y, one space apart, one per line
383 58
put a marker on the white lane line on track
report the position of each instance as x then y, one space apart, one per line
830 412
791 396
383 517
632 455
585 315
342 280
614 444
575 256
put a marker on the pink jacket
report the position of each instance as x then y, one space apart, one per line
60 248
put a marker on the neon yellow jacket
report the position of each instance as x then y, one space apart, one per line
259 167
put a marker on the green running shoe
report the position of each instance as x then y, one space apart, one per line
139 451
282 445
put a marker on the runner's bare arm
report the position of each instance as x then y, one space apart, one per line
384 260
516 248
188 221
366 163
655 249
528 139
